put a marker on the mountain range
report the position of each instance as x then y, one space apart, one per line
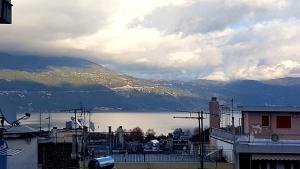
35 84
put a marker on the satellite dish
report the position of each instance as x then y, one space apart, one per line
9 116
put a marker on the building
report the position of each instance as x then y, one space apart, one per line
5 12
270 138
24 139
64 146
268 122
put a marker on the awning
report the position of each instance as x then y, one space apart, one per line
276 157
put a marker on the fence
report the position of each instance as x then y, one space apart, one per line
142 158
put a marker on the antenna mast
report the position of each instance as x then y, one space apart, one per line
200 118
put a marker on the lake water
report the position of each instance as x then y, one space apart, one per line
162 122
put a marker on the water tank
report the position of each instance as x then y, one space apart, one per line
106 162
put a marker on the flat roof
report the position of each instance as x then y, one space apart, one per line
268 108
22 129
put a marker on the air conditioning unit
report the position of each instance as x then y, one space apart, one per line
274 137
5 12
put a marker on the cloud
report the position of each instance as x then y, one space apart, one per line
215 15
218 75
149 47
219 40
258 72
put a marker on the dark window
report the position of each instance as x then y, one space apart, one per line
284 122
287 165
265 121
264 165
296 165
273 164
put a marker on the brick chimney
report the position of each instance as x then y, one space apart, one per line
214 110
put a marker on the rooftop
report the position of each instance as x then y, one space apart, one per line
22 129
268 109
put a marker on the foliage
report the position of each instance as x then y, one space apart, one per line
135 134
162 137
150 135
177 133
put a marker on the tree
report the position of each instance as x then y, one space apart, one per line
136 134
177 133
161 137
170 135
150 135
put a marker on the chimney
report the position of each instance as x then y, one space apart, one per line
109 129
214 110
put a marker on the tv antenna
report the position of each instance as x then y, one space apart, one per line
82 110
199 116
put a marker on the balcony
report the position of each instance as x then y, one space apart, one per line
250 144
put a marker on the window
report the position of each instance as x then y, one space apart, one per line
273 164
296 165
265 121
284 122
263 165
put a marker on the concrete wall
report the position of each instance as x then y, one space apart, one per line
253 120
172 166
28 158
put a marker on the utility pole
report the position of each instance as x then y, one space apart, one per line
75 126
232 117
200 118
40 122
82 110
49 121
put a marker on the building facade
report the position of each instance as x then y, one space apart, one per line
22 138
270 138
267 122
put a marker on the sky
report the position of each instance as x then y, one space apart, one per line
163 39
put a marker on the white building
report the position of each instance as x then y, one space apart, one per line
25 139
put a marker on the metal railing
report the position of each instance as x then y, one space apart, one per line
142 158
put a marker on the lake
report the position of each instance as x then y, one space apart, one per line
161 122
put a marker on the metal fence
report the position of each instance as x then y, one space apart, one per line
141 158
